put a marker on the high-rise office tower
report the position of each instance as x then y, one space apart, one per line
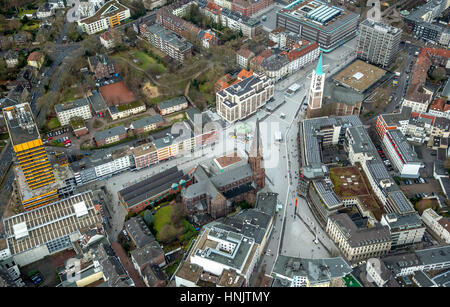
34 172
377 42
316 91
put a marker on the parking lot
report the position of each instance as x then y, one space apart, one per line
428 189
60 136
383 157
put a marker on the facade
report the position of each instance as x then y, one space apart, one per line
316 21
111 14
12 58
102 164
402 155
393 121
358 243
34 172
107 40
217 251
63 222
282 63
146 124
36 59
167 41
45 11
304 272
405 229
404 264
101 66
244 98
126 110
243 57
78 126
421 22
438 224
377 43
348 131
315 95
148 192
172 105
98 104
417 96
248 8
111 135
76 108
145 155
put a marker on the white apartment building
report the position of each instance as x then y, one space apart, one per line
111 14
358 244
107 40
377 42
116 165
299 59
75 108
401 154
243 56
124 111
244 98
172 105
405 229
438 224
416 106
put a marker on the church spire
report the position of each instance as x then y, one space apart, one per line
256 159
319 70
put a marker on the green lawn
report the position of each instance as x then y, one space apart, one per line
53 123
162 217
23 12
350 281
31 26
145 61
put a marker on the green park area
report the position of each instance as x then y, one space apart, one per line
147 62
142 60
171 227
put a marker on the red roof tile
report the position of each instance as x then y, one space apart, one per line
296 53
438 104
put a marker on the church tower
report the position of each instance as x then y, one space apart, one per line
256 160
316 91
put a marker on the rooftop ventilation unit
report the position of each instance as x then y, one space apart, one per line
20 230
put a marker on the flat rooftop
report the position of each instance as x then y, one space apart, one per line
317 270
318 14
408 155
227 160
31 229
26 192
152 186
239 257
359 75
21 126
143 149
